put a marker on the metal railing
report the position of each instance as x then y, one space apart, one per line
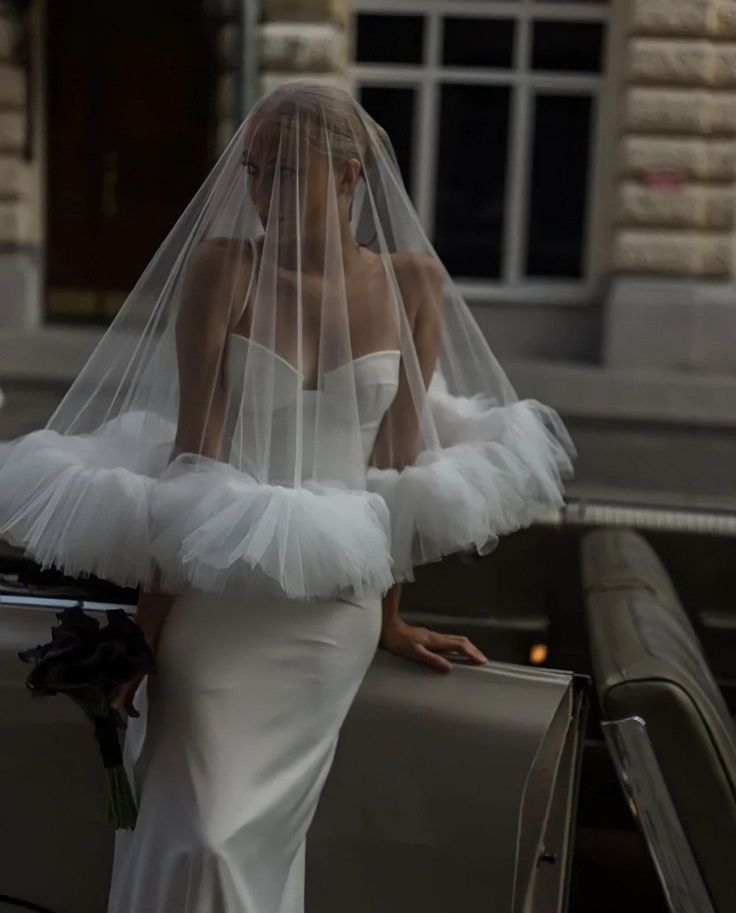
601 512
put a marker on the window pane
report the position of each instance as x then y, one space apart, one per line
573 47
471 179
389 39
478 42
560 163
393 109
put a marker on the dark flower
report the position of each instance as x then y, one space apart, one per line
88 663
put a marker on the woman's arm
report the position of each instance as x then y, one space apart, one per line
202 324
420 280
398 444
151 611
212 281
211 286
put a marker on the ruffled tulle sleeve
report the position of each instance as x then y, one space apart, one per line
496 469
120 503
81 502
267 407
218 529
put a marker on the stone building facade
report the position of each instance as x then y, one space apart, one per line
674 196
643 369
21 171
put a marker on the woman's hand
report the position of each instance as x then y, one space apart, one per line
121 700
151 613
425 646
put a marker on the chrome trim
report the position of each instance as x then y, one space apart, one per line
590 512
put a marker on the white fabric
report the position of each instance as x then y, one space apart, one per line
294 397
214 527
377 379
236 737
499 467
293 408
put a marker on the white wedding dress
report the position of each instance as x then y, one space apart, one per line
239 725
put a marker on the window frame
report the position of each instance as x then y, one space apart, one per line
426 79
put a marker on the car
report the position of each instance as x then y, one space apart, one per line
544 780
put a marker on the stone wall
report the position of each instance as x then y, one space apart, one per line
226 14
674 210
13 169
292 39
303 39
673 299
21 209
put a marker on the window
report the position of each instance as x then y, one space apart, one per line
393 109
493 108
470 198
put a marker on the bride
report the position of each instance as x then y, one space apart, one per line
292 410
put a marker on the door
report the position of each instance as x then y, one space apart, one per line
131 127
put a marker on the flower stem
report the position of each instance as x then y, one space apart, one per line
121 808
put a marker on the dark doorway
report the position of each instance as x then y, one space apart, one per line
131 135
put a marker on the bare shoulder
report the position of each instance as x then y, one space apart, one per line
420 276
417 265
220 268
214 253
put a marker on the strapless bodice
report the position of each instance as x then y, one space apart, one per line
344 413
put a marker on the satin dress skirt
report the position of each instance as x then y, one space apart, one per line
237 734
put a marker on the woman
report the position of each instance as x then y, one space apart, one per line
293 409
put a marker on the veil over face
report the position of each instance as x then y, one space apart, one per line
294 395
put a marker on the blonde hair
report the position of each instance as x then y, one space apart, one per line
327 116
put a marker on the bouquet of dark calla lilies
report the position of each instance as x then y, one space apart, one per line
88 663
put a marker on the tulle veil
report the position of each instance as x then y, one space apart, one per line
294 395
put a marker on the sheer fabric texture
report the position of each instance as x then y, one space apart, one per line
294 397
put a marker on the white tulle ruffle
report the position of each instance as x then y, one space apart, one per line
496 470
109 504
217 529
80 503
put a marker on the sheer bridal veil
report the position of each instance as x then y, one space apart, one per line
294 394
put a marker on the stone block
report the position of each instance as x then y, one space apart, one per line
270 81
12 86
12 131
692 18
674 253
694 158
687 111
226 127
724 20
228 45
671 324
682 62
8 37
307 11
225 95
303 47
13 177
689 206
21 292
13 222
655 463
587 390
